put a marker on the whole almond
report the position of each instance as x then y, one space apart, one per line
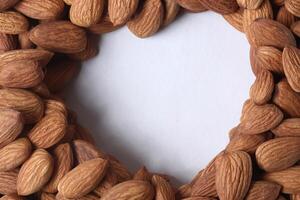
35 173
27 103
12 197
192 5
86 12
250 4
278 154
149 20
21 74
285 17
288 179
6 4
233 175
48 131
83 179
11 125
85 151
134 189
8 182
163 189
121 11
59 36
259 119
293 6
236 19
221 6
262 89
13 23
291 66
63 157
15 154
288 128
266 32
7 42
41 9
262 190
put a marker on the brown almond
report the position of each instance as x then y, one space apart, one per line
55 106
11 125
262 190
293 6
109 181
59 36
41 90
285 17
35 173
149 20
85 151
83 179
143 175
13 23
21 74
41 9
192 5
291 66
134 189
295 27
288 128
63 158
104 26
24 41
12 197
6 4
236 19
233 175
199 198
171 11
86 12
250 4
289 179
266 32
120 12
8 182
259 119
164 190
47 196
184 191
15 154
221 6
120 170
278 154
7 42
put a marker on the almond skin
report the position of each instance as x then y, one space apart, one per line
15 154
285 17
104 26
149 20
41 9
171 11
261 190
134 189
288 128
250 4
85 151
8 182
83 179
295 27
192 5
109 181
24 41
13 23
59 36
12 197
278 154
164 190
28 104
7 42
236 19
266 32
221 6
6 4
35 173
233 175
293 6
86 12
11 125
291 66
121 11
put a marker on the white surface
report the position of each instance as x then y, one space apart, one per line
169 101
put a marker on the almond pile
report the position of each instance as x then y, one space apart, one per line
45 153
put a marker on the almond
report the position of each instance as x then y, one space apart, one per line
285 17
262 89
293 6
12 197
83 179
134 189
86 12
59 36
250 4
13 23
266 32
259 119
8 182
63 157
149 20
54 107
192 5
288 128
236 19
171 11
109 181
6 4
14 154
11 125
183 191
7 42
121 11
143 175
47 196
35 173
21 74
288 179
233 175
24 41
291 66
120 170
41 9
104 26
278 154
163 189
295 27
261 190
221 6
41 90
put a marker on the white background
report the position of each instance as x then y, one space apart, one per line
168 101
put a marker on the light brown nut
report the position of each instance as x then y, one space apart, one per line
134 189
41 9
149 20
84 151
266 32
285 17
221 6
15 154
86 12
291 66
83 179
250 4
288 128
59 36
262 190
7 42
8 182
293 6
13 23
11 125
192 5
55 106
233 175
171 11
35 173
103 26
236 19
163 189
121 11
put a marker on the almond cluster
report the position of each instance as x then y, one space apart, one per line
46 154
